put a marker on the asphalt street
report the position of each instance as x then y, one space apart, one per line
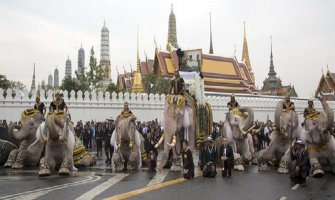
101 182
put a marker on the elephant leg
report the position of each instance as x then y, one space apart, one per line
283 165
254 160
117 161
133 160
11 158
20 160
238 162
316 168
266 155
165 154
66 166
331 147
44 167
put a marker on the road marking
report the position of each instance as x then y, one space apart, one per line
283 198
295 187
33 194
148 189
102 187
158 178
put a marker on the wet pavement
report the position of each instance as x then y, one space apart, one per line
101 182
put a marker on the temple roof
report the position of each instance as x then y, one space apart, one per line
221 74
326 83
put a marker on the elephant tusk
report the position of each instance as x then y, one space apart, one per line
159 141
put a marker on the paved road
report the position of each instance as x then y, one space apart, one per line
100 182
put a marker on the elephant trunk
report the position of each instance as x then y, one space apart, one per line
250 119
51 123
17 132
330 114
278 113
165 155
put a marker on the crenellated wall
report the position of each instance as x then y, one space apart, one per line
97 106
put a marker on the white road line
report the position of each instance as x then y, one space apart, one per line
33 194
295 187
283 198
102 187
158 178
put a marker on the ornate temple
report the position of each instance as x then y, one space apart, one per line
272 85
221 74
327 86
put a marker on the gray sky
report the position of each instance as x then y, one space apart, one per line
46 32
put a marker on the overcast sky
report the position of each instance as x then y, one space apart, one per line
47 32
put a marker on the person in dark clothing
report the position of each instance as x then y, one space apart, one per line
210 158
302 164
310 109
85 134
177 84
109 149
227 157
58 104
288 104
232 103
99 133
40 106
188 165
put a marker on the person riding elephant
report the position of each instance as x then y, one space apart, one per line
126 141
285 132
58 104
26 134
232 103
40 106
310 109
177 84
288 104
316 134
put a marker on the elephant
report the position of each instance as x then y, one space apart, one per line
58 136
127 144
282 138
316 133
236 128
26 134
179 123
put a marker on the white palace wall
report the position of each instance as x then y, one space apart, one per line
145 106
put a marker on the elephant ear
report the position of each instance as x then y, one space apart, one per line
278 112
249 121
329 112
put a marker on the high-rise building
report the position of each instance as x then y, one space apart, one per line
172 32
56 78
33 86
81 61
50 80
68 68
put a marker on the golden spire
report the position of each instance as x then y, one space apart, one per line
138 86
245 54
210 34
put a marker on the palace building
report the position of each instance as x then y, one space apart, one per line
327 86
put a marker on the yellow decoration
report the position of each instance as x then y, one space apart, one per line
313 115
237 111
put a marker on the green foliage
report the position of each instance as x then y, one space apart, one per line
156 84
70 84
95 73
4 82
112 87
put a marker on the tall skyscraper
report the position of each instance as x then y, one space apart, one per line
172 32
56 78
68 68
33 86
104 53
50 80
81 61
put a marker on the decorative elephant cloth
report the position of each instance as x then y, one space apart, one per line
26 134
127 143
204 125
316 133
5 148
287 130
59 141
81 157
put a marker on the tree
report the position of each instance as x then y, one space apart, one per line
95 73
17 84
4 82
112 87
70 84
156 85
